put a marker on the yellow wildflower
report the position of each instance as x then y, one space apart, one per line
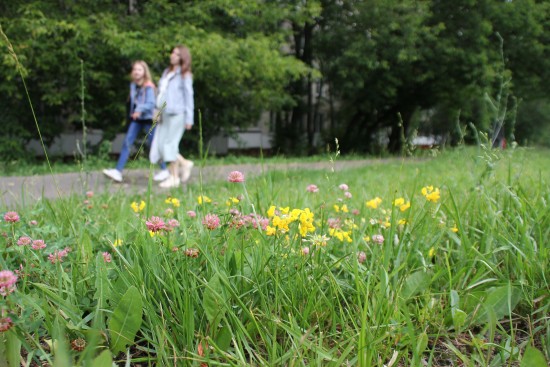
271 211
295 214
175 202
345 208
431 253
340 234
281 223
270 231
203 199
117 243
406 206
306 215
138 207
284 210
398 202
336 208
374 203
305 227
454 229
431 194
231 201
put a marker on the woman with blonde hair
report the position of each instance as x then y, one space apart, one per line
176 103
142 104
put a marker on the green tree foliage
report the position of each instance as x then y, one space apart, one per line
390 66
387 59
238 68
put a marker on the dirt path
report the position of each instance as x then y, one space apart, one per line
20 190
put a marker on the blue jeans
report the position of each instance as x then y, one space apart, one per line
133 130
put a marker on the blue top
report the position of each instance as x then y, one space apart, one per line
177 92
142 99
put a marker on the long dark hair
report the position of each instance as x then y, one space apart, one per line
185 59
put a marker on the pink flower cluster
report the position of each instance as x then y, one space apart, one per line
235 176
58 256
172 223
334 223
5 324
344 187
211 221
312 188
249 221
38 245
155 224
378 238
106 257
24 241
7 282
11 217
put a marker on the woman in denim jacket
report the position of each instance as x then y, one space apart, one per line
142 104
176 102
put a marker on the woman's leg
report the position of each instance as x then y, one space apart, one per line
129 139
170 135
185 167
150 133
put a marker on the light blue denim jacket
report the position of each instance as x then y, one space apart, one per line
179 96
144 100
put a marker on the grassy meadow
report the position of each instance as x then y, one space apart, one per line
440 261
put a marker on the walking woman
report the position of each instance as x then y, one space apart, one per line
176 102
142 104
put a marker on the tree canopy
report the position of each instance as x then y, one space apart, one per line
383 61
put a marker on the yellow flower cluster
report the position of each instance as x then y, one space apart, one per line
401 204
431 194
343 208
138 207
203 199
374 203
175 202
340 234
281 221
231 201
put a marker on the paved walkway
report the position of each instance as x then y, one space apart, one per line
18 190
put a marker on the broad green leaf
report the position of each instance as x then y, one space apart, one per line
103 360
223 339
60 346
13 348
415 283
126 320
3 354
421 343
459 316
214 299
500 302
533 358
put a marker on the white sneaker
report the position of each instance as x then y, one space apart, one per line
113 174
170 182
186 168
161 176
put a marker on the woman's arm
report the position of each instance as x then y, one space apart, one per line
146 105
188 102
